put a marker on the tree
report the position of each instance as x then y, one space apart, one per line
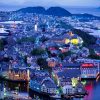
93 55
1 44
37 52
26 39
42 63
87 38
63 55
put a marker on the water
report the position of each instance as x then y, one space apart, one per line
80 10
92 87
13 90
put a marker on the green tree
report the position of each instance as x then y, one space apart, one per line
44 65
37 51
26 39
1 44
93 55
87 38
63 55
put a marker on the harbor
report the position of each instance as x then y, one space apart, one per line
92 87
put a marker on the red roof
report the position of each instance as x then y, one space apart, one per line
52 48
87 65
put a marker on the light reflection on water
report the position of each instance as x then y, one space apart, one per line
92 87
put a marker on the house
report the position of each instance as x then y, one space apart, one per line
35 66
66 84
51 62
48 86
41 82
67 89
88 70
4 32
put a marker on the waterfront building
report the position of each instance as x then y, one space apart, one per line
88 70
67 89
42 83
48 86
17 74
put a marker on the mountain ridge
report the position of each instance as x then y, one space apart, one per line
56 11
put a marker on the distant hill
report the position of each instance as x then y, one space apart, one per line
38 10
86 16
55 11
83 15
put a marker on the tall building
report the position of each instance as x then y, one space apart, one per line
36 27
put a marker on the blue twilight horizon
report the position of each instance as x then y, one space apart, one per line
15 4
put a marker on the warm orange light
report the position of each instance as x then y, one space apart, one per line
17 75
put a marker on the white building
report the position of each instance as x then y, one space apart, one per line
36 27
3 32
67 89
88 70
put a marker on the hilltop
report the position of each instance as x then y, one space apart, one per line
55 11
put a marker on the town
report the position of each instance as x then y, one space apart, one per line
52 54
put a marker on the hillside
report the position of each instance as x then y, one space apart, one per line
38 10
55 11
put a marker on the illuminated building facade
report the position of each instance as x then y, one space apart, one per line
18 75
88 70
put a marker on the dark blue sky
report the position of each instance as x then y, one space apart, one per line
47 3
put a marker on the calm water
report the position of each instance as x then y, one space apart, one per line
93 11
92 87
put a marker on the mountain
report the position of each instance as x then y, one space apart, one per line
38 10
55 11
86 16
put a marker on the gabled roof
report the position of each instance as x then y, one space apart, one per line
49 84
71 65
69 73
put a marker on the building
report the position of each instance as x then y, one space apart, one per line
35 27
42 83
17 74
51 62
88 70
4 32
48 86
68 89
66 84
